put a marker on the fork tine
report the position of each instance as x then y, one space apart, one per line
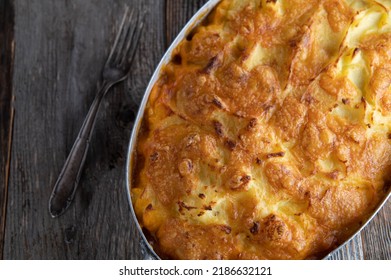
119 35
127 32
130 49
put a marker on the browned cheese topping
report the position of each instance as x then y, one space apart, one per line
268 135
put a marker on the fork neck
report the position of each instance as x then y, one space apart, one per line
89 122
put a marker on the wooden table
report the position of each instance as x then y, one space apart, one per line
51 56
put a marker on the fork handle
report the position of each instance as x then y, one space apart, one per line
65 188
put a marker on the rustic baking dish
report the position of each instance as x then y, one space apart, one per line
148 251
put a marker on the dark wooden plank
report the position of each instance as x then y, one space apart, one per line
6 111
60 47
373 243
177 14
351 251
377 236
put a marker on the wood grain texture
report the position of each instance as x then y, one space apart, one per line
373 243
351 251
377 236
177 15
6 110
59 48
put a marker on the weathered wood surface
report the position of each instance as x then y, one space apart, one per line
59 48
6 111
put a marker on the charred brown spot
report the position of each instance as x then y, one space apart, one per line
226 229
201 213
363 101
218 128
217 102
267 107
273 155
252 124
182 206
356 51
208 207
185 167
239 182
389 136
230 144
255 228
190 36
280 230
154 157
345 101
192 139
212 65
201 195
149 207
258 160
177 59
271 1
274 228
245 179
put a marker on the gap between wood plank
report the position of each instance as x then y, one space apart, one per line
6 103
7 173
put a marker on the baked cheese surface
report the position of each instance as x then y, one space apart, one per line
268 135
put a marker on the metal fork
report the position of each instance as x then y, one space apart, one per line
116 69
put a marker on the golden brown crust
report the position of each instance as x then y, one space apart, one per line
268 135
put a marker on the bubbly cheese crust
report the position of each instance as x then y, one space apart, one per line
268 135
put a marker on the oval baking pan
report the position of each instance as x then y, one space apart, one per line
146 248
